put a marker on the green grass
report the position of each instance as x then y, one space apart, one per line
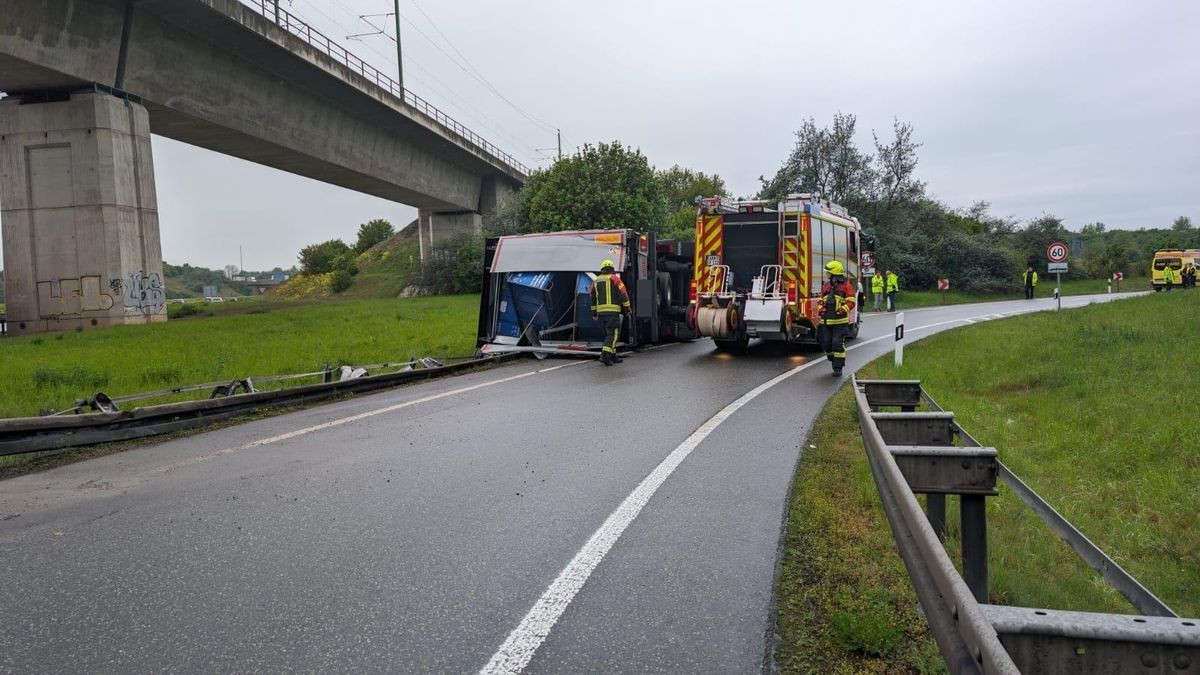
1045 289
242 339
1096 409
844 603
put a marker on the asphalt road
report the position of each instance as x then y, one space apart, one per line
546 516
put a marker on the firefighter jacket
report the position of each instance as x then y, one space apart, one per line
1027 280
893 282
608 295
877 284
837 299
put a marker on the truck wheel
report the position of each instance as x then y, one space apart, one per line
665 292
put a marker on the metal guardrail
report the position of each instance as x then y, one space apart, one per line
296 26
25 435
928 452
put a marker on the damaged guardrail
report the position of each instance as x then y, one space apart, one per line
927 452
228 399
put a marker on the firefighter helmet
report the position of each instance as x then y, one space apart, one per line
835 268
608 266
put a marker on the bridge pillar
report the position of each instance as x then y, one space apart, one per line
79 213
436 227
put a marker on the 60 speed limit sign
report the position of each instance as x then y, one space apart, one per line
1057 252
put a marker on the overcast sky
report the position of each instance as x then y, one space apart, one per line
1088 110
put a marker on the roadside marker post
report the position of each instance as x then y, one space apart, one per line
900 339
943 286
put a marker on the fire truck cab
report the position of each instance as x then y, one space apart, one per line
758 270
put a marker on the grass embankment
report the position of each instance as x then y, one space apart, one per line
1045 289
51 371
1096 409
844 603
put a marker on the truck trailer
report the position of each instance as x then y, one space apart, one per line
536 290
758 270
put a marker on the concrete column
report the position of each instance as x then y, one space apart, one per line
79 214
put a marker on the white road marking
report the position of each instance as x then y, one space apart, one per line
360 416
518 649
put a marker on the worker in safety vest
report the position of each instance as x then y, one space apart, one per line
1029 279
893 285
610 301
877 290
1189 276
837 299
1168 276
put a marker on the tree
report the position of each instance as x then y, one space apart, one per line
605 186
231 271
825 161
680 188
320 258
372 233
1182 224
895 170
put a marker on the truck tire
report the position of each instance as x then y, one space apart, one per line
666 295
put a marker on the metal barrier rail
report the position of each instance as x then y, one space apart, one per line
271 11
912 452
25 435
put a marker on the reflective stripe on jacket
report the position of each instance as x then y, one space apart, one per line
837 300
608 294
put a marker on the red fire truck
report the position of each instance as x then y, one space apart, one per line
758 270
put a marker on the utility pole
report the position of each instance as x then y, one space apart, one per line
241 260
399 54
559 143
276 11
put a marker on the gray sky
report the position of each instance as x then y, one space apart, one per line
1088 110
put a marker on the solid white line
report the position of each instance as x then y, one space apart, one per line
360 416
518 649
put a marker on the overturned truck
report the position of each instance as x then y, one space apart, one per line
536 290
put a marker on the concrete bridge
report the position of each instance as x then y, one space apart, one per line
90 80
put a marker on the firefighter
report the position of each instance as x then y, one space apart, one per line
877 290
893 285
1030 281
837 299
1189 275
1168 276
610 303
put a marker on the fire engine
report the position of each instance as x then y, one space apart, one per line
758 270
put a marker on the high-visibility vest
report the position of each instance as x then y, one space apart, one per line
1168 275
893 282
1027 280
607 297
877 283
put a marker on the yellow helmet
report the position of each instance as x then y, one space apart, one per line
835 268
608 266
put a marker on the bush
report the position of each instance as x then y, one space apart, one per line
372 233
321 258
340 280
454 266
178 311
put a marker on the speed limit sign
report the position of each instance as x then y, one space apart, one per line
1057 252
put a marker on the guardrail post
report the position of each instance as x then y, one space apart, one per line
974 544
935 511
900 339
328 373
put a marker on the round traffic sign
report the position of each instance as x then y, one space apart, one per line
868 258
1057 252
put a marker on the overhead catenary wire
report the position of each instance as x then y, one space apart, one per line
390 59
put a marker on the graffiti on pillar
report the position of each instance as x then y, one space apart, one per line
115 285
63 297
145 292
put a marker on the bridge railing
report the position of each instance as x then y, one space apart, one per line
270 10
